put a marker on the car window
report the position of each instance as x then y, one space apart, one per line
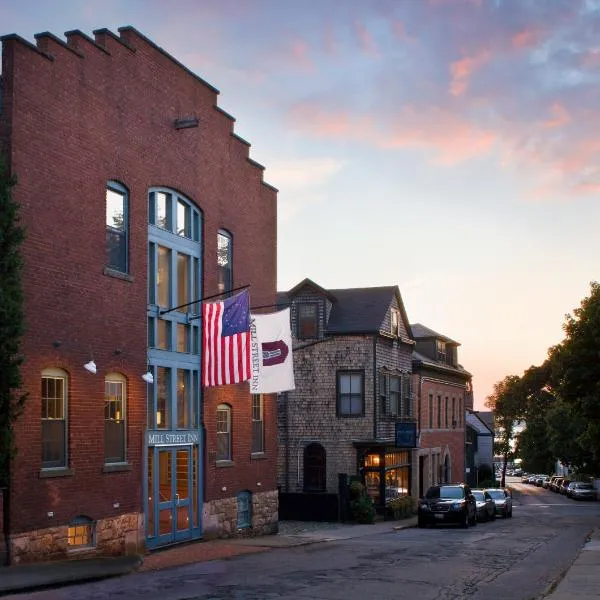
433 492
448 492
497 494
478 495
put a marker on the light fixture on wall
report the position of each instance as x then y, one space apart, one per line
148 377
90 366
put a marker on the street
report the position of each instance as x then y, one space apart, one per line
516 558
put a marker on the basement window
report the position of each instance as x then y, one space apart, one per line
81 533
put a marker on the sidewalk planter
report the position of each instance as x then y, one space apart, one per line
401 508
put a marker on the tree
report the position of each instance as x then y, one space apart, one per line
576 371
11 328
539 397
507 402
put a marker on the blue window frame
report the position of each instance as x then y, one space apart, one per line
244 510
117 227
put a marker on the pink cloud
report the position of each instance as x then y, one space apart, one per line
462 69
525 38
365 39
451 138
299 55
560 116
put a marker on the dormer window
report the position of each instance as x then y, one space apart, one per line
441 351
395 321
308 313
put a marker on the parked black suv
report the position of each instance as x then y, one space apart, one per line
448 503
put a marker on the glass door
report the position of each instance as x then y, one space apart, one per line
173 485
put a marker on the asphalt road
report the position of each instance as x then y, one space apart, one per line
507 559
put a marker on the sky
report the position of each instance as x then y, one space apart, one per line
449 147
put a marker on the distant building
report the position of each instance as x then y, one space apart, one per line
479 444
443 394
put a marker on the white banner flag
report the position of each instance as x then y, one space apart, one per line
271 353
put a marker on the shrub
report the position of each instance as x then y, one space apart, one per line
362 509
402 507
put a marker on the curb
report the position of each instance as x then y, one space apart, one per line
30 578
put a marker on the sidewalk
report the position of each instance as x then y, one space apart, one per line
582 580
27 578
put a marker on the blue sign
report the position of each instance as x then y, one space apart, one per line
406 435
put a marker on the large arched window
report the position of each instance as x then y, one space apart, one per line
447 469
54 418
223 432
314 468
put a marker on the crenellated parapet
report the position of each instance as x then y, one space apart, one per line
128 69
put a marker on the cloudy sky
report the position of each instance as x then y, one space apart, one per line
450 147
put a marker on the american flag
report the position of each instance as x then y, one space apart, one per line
226 340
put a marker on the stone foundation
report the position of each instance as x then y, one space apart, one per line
219 517
119 535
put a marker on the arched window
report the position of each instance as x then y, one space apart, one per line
81 532
314 468
223 432
115 418
224 261
447 469
117 227
244 509
54 418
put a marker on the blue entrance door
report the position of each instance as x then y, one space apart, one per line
173 488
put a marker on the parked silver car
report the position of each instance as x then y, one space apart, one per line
579 490
503 500
485 505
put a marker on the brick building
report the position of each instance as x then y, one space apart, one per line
352 364
138 198
443 395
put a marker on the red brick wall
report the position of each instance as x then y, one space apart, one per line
79 118
440 435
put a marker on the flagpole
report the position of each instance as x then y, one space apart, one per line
237 289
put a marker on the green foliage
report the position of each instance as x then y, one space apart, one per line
402 507
508 404
361 504
559 400
11 320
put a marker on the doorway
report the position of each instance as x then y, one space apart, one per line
173 483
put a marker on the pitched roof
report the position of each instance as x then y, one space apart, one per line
354 310
419 358
420 331
487 416
360 310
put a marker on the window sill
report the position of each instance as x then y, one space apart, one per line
118 274
224 463
59 472
116 467
258 456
